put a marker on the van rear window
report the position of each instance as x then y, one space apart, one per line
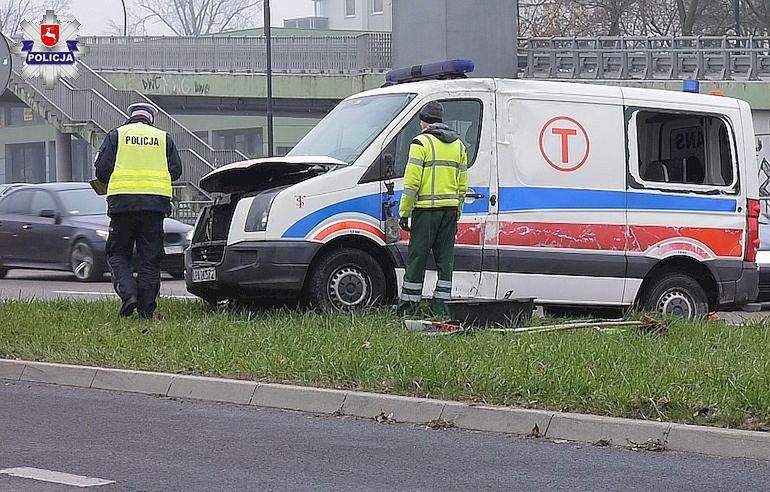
682 148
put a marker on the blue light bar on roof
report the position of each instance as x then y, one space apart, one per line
439 70
691 86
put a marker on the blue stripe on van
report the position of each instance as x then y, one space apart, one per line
513 199
370 205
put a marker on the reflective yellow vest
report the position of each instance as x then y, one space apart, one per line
141 166
436 175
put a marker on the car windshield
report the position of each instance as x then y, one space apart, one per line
348 130
83 202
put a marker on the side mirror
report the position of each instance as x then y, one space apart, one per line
48 213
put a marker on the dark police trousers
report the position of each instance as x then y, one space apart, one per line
143 231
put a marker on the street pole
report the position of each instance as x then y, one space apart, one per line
269 80
737 11
125 18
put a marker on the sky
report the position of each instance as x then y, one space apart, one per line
94 15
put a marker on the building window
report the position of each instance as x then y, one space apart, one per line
246 140
377 6
350 8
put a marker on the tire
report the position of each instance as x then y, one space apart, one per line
83 263
346 279
3 272
176 274
677 295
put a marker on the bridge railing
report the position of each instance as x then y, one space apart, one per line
672 58
369 52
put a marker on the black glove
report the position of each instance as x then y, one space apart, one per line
403 223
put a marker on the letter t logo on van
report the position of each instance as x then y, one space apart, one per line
565 133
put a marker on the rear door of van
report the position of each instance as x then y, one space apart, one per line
685 196
561 215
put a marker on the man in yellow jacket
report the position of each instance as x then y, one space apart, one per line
138 162
435 183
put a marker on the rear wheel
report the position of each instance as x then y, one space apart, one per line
3 272
346 279
83 263
677 295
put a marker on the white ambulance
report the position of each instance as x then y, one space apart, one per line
580 195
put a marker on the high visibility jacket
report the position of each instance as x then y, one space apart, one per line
141 165
436 175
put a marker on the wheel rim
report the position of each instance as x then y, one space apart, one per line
677 303
82 261
349 287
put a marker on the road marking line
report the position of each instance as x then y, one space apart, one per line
86 293
51 476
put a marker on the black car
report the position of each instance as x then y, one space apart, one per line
64 226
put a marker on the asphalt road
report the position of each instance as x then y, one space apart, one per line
31 284
152 444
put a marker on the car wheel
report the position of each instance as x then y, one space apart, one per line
83 263
3 272
677 295
176 274
346 279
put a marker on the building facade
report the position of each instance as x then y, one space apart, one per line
358 15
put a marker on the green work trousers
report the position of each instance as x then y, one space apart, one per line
431 230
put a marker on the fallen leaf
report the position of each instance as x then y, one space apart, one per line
384 419
366 345
440 424
602 443
648 445
535 432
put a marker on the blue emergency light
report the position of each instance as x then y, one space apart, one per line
450 69
691 86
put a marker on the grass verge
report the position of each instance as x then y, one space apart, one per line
704 372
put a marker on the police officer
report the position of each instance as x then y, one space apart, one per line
435 183
138 162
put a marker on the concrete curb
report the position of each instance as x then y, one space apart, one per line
517 421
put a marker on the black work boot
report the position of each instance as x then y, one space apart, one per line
128 307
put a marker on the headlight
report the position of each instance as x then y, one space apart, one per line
259 211
103 234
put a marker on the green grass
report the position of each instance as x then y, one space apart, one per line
703 373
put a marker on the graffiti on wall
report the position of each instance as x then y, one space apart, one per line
175 85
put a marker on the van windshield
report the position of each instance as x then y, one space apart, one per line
348 130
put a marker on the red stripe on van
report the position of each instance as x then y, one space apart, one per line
612 237
351 226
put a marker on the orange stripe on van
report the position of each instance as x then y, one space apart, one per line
351 226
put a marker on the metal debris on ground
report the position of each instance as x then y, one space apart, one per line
435 328
384 419
646 324
648 445
440 424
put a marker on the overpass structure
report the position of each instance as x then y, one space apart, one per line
192 79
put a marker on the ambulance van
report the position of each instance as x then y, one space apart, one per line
580 195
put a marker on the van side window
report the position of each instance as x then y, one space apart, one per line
462 115
681 148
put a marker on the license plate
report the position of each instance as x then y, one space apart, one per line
174 250
208 274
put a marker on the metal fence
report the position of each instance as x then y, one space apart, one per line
663 58
369 52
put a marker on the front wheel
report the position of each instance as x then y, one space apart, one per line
83 263
346 279
677 295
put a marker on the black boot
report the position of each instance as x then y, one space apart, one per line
128 307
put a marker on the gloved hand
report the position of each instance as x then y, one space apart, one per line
403 223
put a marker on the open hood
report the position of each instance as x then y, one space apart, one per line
263 174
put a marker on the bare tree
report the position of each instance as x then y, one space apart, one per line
196 17
12 12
